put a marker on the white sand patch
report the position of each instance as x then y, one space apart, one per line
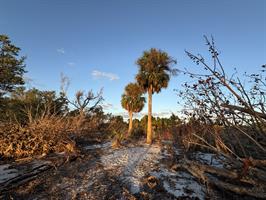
7 173
179 184
132 164
184 185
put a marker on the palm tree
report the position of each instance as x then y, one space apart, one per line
132 101
154 74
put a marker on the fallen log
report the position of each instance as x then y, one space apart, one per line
257 192
225 179
22 178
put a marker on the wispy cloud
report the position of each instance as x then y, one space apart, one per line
100 74
27 79
123 114
71 64
107 106
61 50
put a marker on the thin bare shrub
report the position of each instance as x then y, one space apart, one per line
233 112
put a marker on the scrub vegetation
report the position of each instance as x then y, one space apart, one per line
63 147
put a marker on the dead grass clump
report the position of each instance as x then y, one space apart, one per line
229 141
40 137
187 134
199 136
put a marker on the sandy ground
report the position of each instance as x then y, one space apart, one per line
106 173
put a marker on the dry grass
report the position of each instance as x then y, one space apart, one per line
195 135
224 140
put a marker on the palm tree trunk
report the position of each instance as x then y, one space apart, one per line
149 128
130 122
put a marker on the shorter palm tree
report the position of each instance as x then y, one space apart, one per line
133 101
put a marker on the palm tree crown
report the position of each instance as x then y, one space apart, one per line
132 101
154 70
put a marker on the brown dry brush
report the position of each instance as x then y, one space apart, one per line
226 116
40 137
47 132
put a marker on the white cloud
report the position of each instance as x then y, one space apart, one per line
61 51
100 74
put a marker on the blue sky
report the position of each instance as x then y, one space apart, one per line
96 43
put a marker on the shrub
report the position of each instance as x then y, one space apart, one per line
137 133
117 129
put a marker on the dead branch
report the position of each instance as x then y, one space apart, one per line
241 109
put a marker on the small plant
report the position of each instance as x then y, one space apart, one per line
118 130
137 133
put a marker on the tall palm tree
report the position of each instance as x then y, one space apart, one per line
132 101
154 74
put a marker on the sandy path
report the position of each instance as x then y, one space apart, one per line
105 173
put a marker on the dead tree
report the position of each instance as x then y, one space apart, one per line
86 103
